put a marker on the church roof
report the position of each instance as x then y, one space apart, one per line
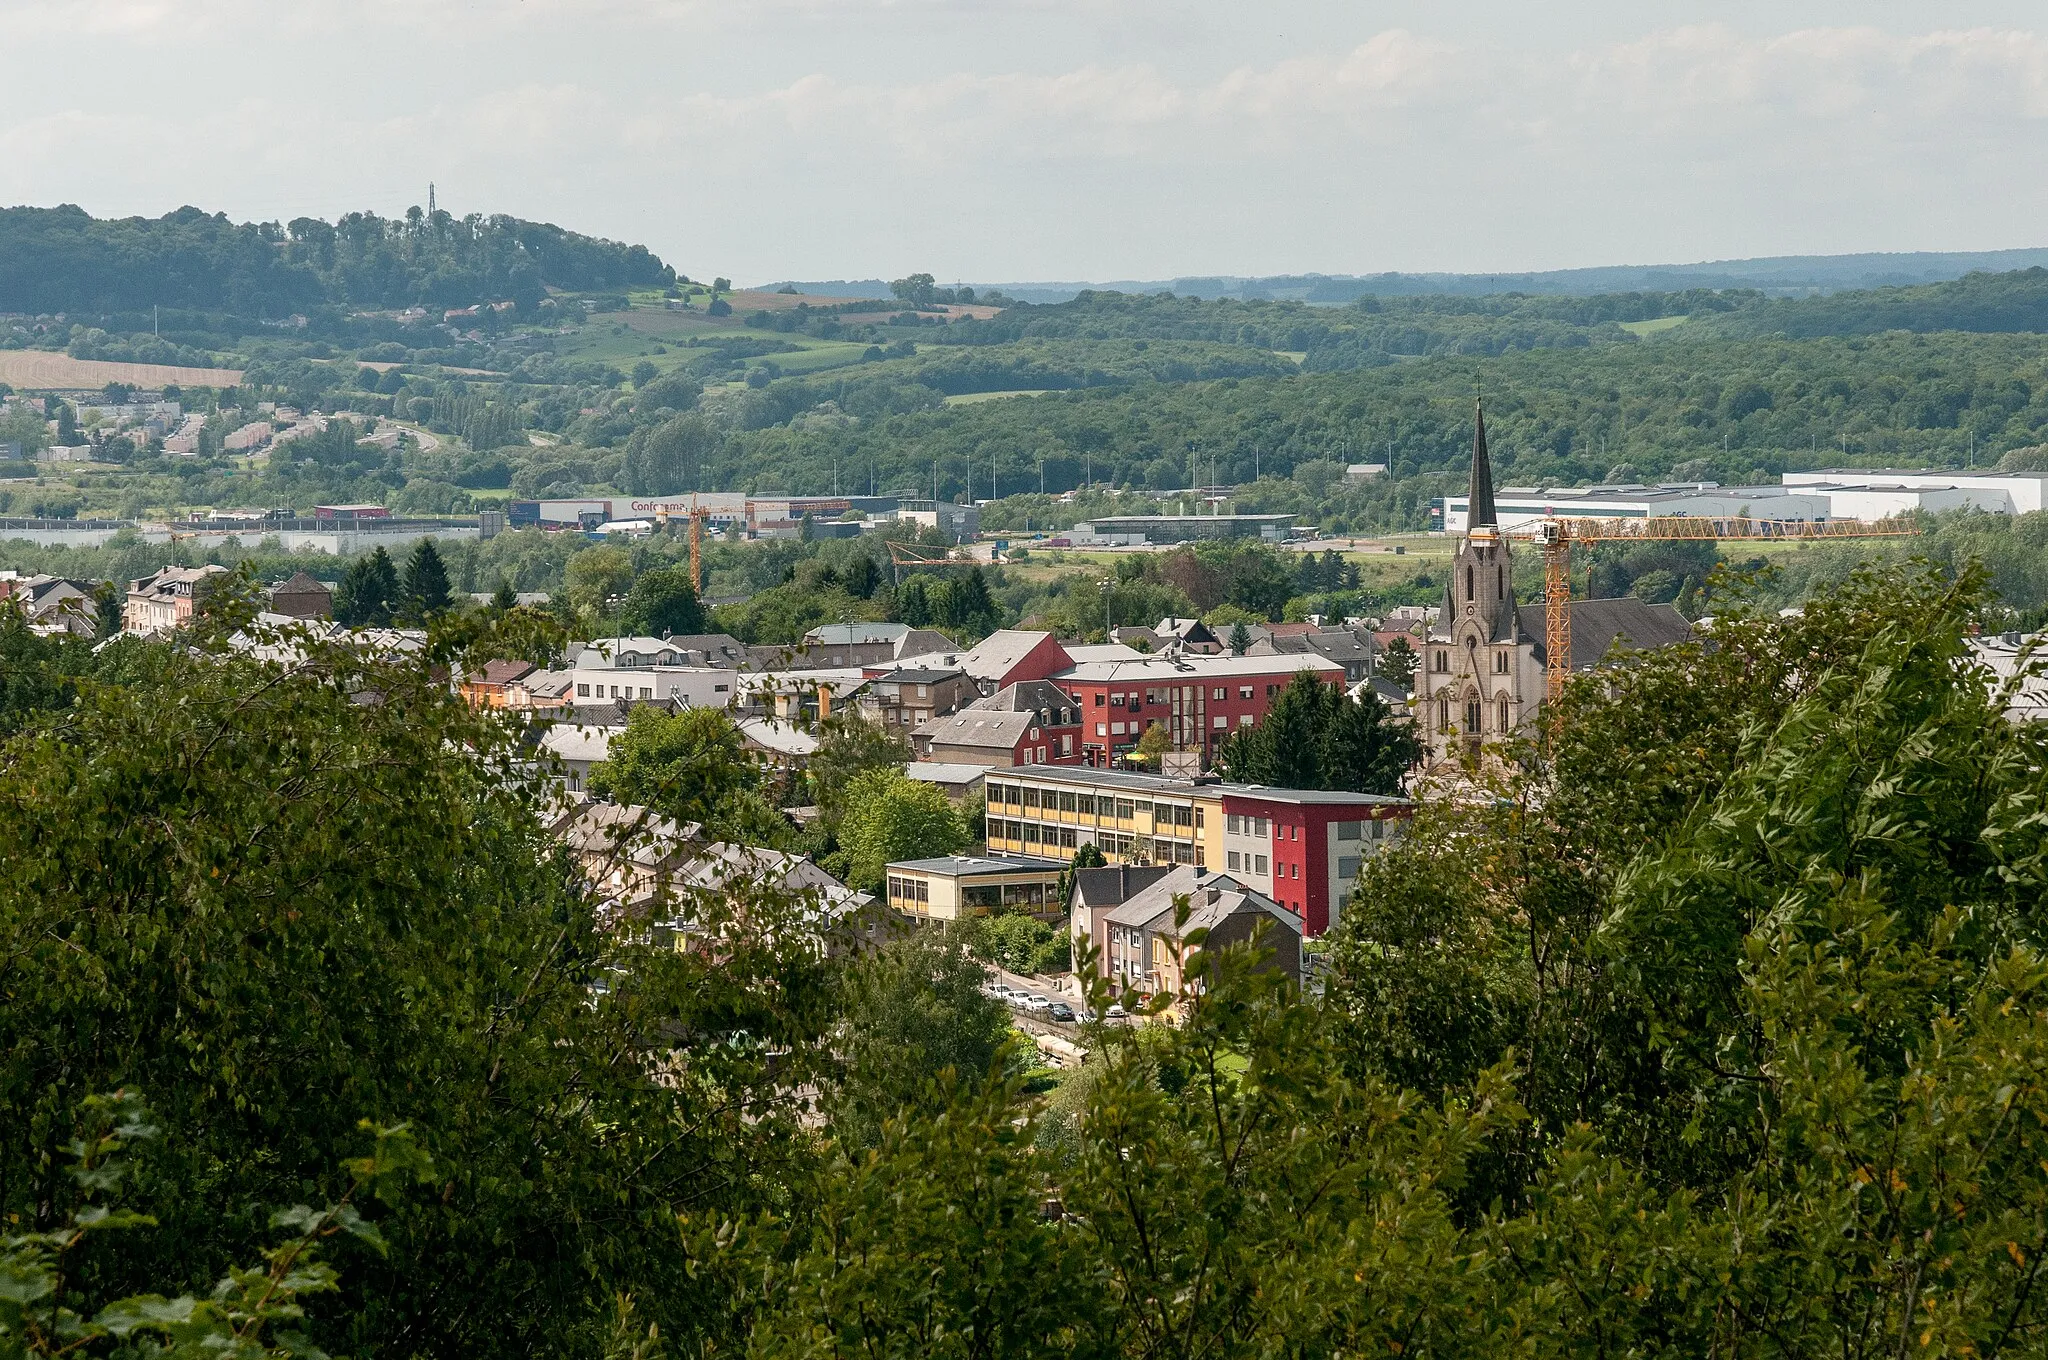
1480 495
1597 624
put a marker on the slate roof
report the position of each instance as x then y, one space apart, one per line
1598 624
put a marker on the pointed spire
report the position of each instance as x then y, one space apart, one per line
1479 499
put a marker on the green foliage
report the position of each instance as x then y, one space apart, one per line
251 1312
1022 944
60 259
681 765
662 602
850 746
890 817
369 595
1316 737
917 1024
424 591
277 909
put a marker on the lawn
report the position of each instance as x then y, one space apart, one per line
1653 326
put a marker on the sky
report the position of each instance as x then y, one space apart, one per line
1022 140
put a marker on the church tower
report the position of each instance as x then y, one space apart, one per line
1473 674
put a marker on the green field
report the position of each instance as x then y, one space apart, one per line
1654 325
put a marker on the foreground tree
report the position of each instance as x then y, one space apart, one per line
280 910
1317 737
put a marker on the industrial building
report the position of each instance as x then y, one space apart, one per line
1113 531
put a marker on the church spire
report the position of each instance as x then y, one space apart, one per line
1479 499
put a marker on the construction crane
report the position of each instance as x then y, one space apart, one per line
698 515
1556 537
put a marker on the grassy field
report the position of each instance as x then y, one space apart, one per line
1653 325
969 398
39 370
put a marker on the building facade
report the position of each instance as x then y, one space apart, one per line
1300 847
1482 673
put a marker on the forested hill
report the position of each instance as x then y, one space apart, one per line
1378 330
65 260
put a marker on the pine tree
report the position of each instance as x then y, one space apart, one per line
426 583
504 598
368 593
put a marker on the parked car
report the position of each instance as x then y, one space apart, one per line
1115 1012
1062 1012
1037 1004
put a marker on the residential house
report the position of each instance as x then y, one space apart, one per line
574 748
902 699
166 601
777 744
1192 634
862 644
487 688
1355 649
1032 723
302 597
1093 893
1146 951
957 782
53 604
1010 656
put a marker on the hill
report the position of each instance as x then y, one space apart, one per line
65 260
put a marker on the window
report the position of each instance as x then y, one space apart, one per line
1443 712
1041 755
1219 722
1500 577
1440 662
1098 698
1087 804
1471 715
1030 797
1116 729
583 691
1470 592
646 692
1034 734
924 691
1102 730
1349 831
1116 701
1217 693
1347 867
1067 838
1243 692
1151 696
1230 859
1500 663
1244 720
1067 802
1503 722
1125 809
1198 818
1259 862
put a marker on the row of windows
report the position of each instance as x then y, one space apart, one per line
1503 715
909 889
1033 799
1188 694
1503 661
1251 864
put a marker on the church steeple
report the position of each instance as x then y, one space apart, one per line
1479 499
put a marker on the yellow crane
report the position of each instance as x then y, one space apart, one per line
1556 537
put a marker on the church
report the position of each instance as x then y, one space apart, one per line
1482 673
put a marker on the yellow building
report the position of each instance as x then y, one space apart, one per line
957 886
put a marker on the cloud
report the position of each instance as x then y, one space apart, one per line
1407 149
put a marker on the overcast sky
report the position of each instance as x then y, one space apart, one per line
1011 140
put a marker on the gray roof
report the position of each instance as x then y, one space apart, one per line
847 634
1213 897
1114 884
1041 698
944 772
981 866
1081 776
1598 624
978 727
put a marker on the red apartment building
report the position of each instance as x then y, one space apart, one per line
1200 700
